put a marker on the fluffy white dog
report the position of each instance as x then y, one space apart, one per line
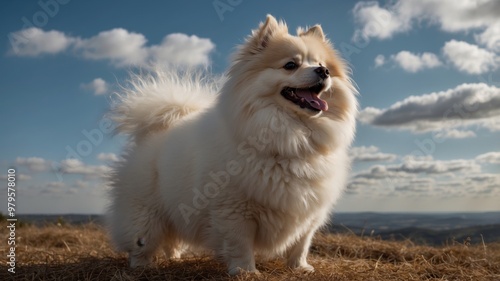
254 167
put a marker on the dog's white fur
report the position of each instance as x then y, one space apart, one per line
242 172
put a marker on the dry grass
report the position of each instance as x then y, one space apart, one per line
83 253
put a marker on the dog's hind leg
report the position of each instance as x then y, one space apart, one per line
149 237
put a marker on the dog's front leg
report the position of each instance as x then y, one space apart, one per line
297 254
238 246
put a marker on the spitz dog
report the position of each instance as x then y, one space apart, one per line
251 164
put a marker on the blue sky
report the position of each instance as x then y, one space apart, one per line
428 74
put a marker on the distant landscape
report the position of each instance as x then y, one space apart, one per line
434 229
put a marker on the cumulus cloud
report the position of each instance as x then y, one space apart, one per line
379 60
493 179
119 46
470 58
463 106
415 62
490 37
180 48
32 42
412 166
416 185
480 17
108 157
77 167
370 154
98 86
374 21
34 164
463 56
455 134
490 157
428 177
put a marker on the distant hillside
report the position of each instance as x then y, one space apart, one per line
393 221
474 234
423 236
74 219
425 229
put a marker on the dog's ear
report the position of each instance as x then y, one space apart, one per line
316 31
261 36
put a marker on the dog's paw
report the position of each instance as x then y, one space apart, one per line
239 271
307 268
302 267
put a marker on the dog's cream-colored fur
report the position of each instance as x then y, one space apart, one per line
239 170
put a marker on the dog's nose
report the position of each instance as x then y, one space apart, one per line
323 72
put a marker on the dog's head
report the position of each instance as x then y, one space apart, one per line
297 72
300 78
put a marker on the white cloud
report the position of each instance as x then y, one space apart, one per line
374 21
461 107
425 176
98 86
75 166
33 42
413 165
416 185
369 154
490 37
379 60
455 134
490 157
415 62
119 46
178 48
34 164
465 57
470 58
108 157
399 16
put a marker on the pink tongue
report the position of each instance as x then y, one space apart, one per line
312 99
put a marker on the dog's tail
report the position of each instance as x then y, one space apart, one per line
156 100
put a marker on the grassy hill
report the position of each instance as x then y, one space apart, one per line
82 252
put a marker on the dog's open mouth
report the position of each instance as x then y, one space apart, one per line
306 97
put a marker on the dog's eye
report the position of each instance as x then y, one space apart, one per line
290 65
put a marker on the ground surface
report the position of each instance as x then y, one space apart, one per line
83 252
